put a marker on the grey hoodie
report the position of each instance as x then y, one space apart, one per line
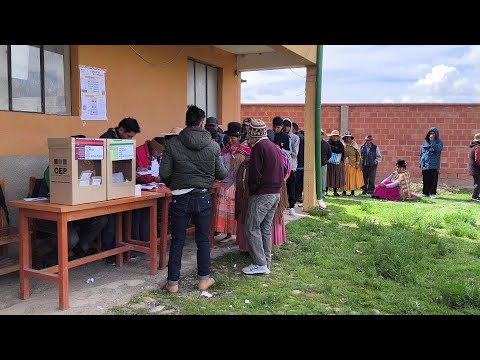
192 160
295 145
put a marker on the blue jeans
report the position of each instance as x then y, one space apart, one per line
197 206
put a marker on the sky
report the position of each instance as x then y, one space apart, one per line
377 74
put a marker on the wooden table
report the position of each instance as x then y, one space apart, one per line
164 236
62 214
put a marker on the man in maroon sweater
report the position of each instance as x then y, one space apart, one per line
265 180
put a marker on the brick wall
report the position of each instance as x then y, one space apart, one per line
398 129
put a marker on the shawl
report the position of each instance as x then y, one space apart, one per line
404 184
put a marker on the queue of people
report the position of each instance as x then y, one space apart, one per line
261 175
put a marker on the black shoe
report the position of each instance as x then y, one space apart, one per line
336 194
111 260
476 198
344 193
352 193
364 192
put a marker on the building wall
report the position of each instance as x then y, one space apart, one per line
153 90
398 129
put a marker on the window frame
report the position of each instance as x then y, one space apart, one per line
42 83
218 69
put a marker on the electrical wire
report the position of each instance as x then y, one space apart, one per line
304 77
161 64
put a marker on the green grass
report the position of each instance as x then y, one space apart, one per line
361 256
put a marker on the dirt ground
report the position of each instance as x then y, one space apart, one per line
111 285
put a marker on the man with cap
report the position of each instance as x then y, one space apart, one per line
245 125
371 157
265 179
211 123
146 155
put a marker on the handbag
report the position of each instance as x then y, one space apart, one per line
335 158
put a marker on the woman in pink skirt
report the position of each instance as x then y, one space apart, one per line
396 186
233 155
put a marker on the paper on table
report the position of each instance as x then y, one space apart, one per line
36 199
148 172
149 187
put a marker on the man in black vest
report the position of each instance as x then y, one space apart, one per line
371 157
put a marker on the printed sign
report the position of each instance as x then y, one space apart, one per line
121 151
89 149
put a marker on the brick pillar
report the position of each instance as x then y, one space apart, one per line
309 190
343 119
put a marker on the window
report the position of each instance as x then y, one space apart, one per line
202 87
35 78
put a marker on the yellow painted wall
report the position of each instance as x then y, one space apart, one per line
154 91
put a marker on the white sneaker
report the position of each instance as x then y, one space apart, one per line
421 195
292 212
253 269
322 204
433 196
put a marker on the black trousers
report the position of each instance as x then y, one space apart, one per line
476 186
299 184
369 174
430 181
291 190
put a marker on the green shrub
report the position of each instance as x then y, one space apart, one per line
459 294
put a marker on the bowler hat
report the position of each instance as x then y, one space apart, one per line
234 129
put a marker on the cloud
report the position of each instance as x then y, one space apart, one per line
377 74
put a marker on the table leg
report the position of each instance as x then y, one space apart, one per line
62 238
153 237
25 256
164 232
118 236
127 235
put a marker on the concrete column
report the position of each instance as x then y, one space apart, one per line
309 190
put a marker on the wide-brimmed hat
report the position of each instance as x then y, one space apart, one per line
476 137
347 134
234 129
401 163
334 133
369 137
174 132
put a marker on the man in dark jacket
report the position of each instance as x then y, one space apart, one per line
190 165
326 155
265 180
300 162
371 157
474 166
126 129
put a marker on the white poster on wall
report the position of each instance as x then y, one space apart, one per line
93 94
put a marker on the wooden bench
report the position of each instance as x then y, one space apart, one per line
8 235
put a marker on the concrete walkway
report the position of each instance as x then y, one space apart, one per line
112 286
